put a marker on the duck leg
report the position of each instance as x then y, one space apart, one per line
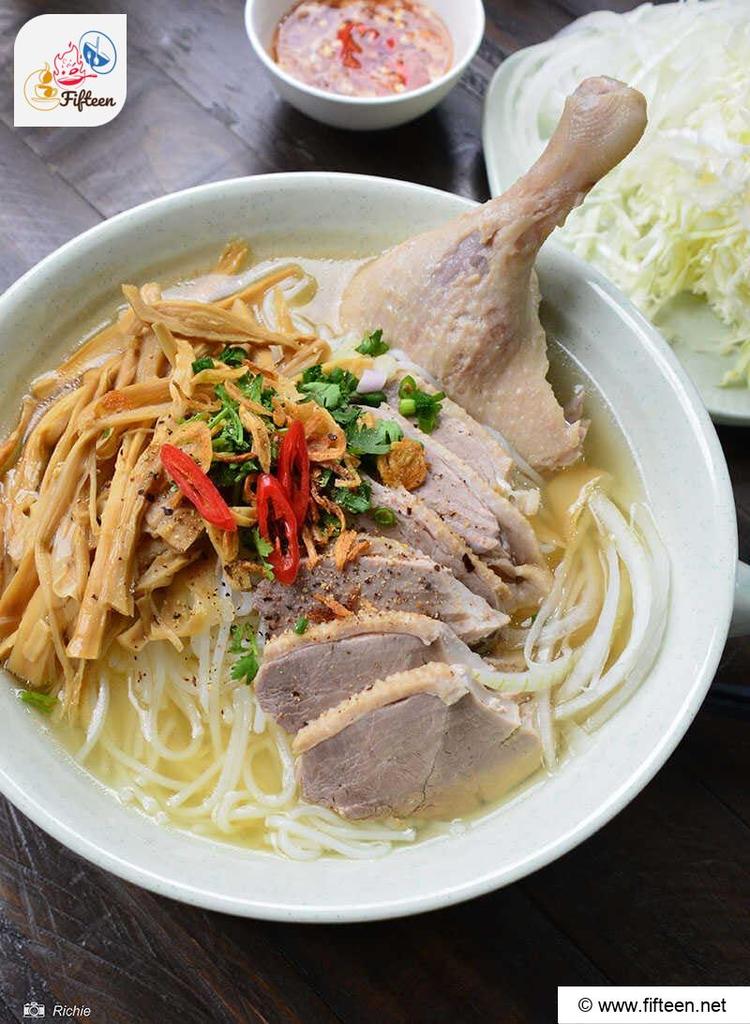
463 300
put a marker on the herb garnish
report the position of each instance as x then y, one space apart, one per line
384 516
414 402
251 386
43 702
232 435
204 363
229 474
300 626
357 501
245 643
233 356
263 549
372 398
373 344
331 390
377 440
337 392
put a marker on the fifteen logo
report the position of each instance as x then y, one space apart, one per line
79 83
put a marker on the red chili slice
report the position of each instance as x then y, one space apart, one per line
278 525
294 470
197 487
349 46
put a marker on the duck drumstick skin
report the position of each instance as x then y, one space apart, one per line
463 300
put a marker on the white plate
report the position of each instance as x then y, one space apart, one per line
690 322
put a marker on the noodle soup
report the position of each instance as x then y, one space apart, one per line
164 717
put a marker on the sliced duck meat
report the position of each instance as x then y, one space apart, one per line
420 527
390 576
467 504
303 676
457 431
470 441
452 489
427 742
528 584
463 300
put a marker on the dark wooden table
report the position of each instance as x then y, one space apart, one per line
659 896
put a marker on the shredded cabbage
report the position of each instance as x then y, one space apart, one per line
675 216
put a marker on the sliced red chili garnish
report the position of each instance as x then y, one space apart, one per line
349 46
197 487
278 525
294 470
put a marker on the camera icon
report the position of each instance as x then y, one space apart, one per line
33 1010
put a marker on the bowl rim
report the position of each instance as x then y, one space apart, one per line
454 71
440 895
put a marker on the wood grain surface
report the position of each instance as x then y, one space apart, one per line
659 896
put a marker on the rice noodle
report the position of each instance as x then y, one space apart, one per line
229 796
578 681
644 626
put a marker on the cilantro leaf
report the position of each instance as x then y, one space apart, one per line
377 440
252 387
373 344
331 390
244 642
233 355
205 363
312 373
357 502
347 416
262 546
324 393
345 380
263 549
330 524
44 702
232 435
229 474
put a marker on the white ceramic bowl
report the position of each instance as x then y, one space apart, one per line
677 455
465 21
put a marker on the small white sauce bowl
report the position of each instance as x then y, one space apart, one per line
465 22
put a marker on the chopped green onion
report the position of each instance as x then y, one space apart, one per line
425 406
43 702
300 626
374 399
384 516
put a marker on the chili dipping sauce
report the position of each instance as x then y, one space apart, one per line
363 47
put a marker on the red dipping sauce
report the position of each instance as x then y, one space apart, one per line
363 47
